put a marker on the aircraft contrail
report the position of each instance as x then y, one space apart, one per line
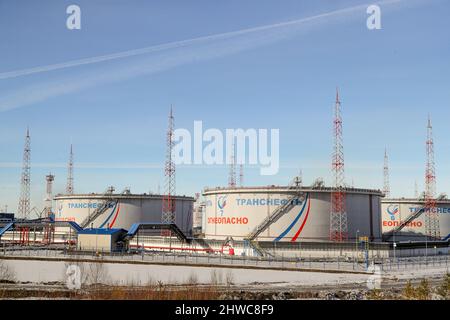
168 56
183 43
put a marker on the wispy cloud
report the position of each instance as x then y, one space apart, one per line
85 165
162 57
321 165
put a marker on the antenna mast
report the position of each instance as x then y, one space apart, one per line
431 213
241 175
232 171
24 201
69 187
386 186
168 207
338 216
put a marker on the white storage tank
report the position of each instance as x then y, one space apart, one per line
123 211
235 212
396 211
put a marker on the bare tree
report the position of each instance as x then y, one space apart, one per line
96 273
216 277
6 273
229 277
192 280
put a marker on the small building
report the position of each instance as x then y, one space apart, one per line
6 217
100 240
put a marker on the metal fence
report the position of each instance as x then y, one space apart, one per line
415 263
217 261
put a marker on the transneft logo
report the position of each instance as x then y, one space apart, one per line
221 203
436 210
392 210
83 205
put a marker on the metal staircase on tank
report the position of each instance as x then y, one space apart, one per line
110 202
280 211
258 249
412 217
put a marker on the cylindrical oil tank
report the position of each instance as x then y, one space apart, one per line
124 211
396 211
236 212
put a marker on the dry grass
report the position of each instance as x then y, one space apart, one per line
444 289
375 294
158 291
421 292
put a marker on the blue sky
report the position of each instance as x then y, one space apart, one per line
115 112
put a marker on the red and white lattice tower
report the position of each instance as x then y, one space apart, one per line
431 214
24 200
69 186
386 186
241 175
338 215
232 169
168 207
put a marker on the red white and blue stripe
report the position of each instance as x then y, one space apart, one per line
307 206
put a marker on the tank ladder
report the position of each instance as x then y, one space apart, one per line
260 251
110 202
106 204
412 217
292 201
280 210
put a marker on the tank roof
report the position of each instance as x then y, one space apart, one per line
118 196
412 200
275 189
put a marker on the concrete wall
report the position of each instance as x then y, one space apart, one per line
134 274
